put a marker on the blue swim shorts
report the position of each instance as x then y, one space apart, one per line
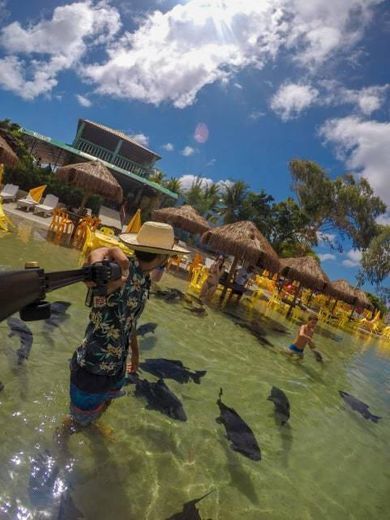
296 350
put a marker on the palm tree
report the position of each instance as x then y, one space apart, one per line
157 176
173 184
233 198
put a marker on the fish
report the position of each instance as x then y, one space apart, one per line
169 295
1 386
58 315
189 511
282 405
200 311
67 509
172 369
146 328
241 437
359 406
159 397
318 356
256 331
19 328
43 479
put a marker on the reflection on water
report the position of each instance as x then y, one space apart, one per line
326 462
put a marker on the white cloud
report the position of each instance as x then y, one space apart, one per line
187 151
292 98
168 147
187 180
211 163
238 85
367 99
204 41
353 259
326 256
84 101
191 45
256 114
37 54
365 148
141 139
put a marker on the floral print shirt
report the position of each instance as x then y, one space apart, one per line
113 320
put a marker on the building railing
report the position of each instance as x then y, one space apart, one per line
106 155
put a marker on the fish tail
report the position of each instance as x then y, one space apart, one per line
375 418
220 393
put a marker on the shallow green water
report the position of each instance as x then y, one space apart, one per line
330 463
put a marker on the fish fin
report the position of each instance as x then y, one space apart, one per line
220 393
196 376
219 420
375 418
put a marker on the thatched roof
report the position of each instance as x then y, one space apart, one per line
363 298
342 290
304 269
7 155
93 177
185 217
244 241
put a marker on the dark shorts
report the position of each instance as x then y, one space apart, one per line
296 350
238 289
90 393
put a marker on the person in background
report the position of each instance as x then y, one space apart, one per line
98 366
210 285
241 279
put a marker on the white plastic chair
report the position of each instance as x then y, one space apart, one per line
48 205
9 192
27 203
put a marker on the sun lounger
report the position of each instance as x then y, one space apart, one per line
9 192
26 203
48 205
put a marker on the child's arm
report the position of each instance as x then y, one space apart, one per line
302 333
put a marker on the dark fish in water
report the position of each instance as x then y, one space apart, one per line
19 328
146 328
359 406
43 479
172 369
170 294
318 356
256 331
159 397
57 315
200 311
241 437
68 510
189 511
282 405
1 386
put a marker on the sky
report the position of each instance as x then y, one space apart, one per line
225 89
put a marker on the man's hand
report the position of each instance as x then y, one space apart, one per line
113 254
132 367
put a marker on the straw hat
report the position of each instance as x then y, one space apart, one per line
154 237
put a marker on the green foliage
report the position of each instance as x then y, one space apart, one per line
378 303
233 200
11 133
345 204
376 258
203 197
173 184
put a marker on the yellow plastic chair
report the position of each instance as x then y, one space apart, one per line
254 298
107 231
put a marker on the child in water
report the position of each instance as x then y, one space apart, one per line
304 337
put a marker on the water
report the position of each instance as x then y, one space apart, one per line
328 463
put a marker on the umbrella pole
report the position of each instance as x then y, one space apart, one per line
353 310
84 200
310 297
229 278
334 305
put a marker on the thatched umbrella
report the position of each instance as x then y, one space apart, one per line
305 270
184 217
94 178
342 290
362 299
245 242
7 155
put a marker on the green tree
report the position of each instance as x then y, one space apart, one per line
344 204
204 197
376 259
158 176
257 207
233 199
173 184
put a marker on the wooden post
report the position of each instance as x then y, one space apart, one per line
229 278
310 297
353 310
84 200
294 300
334 306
